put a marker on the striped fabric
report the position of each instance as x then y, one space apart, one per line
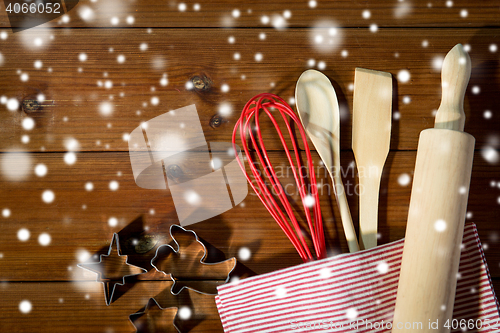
352 293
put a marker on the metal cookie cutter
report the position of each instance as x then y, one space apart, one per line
154 318
181 267
180 261
106 270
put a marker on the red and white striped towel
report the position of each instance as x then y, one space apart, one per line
352 293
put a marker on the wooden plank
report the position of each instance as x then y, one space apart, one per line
77 220
73 98
149 13
79 306
58 306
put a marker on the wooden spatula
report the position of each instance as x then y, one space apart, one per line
371 135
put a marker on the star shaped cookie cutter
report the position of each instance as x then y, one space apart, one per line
102 277
149 324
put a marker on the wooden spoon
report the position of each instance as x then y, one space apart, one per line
371 136
319 112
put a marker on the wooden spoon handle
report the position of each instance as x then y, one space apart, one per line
345 213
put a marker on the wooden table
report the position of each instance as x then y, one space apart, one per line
210 45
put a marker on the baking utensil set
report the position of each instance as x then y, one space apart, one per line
318 110
432 249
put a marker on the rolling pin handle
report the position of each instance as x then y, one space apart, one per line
454 79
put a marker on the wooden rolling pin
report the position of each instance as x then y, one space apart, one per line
426 290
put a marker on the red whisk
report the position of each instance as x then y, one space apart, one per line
283 214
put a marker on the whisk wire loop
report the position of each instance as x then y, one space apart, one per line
263 103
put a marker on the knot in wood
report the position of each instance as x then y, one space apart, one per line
30 105
216 121
201 82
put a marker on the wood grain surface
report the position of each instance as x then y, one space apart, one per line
73 99
302 13
216 58
77 219
79 307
